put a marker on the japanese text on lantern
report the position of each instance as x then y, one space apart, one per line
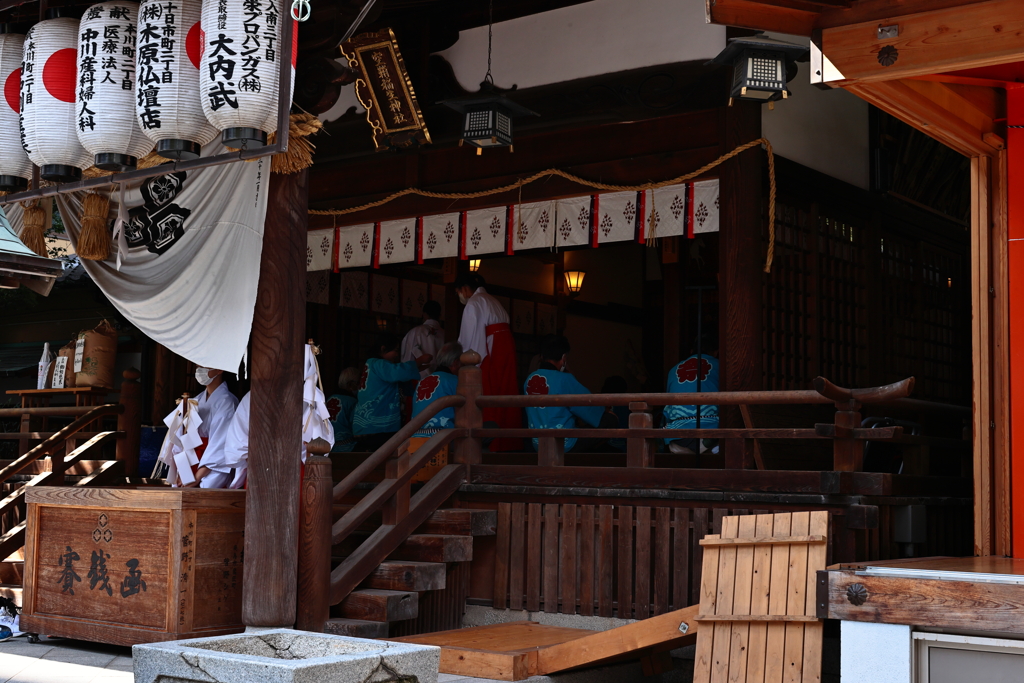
251 26
156 44
112 54
28 79
221 63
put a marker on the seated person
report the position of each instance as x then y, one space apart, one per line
552 379
378 413
682 379
341 406
442 382
216 405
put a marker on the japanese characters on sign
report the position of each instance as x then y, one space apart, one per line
385 90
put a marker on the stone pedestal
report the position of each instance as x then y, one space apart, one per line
285 656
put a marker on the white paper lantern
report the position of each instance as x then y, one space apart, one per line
238 75
15 166
105 99
167 104
48 121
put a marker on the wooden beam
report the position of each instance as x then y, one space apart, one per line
980 334
760 16
950 39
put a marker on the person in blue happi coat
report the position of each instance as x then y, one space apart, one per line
342 406
378 403
440 383
552 379
699 372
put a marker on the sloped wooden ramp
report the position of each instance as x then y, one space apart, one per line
520 649
757 600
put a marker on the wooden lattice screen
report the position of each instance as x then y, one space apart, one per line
757 605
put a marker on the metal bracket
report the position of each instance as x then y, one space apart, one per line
888 32
684 627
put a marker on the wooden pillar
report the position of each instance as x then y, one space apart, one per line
741 260
315 540
1014 254
130 422
469 415
275 423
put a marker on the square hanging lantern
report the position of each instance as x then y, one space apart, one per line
487 117
474 265
574 280
761 66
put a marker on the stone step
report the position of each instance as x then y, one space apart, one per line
435 548
373 604
407 576
357 628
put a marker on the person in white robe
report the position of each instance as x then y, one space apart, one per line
427 338
215 406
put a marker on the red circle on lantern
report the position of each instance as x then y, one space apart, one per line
195 40
12 89
60 73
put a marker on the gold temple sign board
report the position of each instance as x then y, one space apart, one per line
384 88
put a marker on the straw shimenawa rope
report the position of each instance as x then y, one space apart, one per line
33 231
594 184
300 150
94 240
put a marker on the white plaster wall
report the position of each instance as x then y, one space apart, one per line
875 653
826 130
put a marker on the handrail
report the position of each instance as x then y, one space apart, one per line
46 411
391 445
51 443
705 398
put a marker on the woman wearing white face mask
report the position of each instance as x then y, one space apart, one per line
216 405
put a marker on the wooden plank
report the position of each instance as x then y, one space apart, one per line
407 576
605 550
642 563
435 548
760 586
739 643
625 546
700 529
775 640
814 632
662 558
708 598
533 557
796 602
999 193
370 604
790 540
724 603
586 589
501 555
980 305
567 560
754 618
681 558
517 557
550 560
761 16
461 522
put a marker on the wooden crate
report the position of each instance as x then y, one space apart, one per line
127 566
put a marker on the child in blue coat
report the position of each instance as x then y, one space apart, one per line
696 373
378 403
552 379
442 382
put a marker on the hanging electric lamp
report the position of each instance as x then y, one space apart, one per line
761 66
239 69
105 99
49 123
574 281
15 166
487 116
167 102
474 265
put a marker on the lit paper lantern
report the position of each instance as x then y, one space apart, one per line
238 73
105 99
15 166
49 130
167 80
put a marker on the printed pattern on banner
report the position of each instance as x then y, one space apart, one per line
522 316
438 294
534 226
355 290
547 319
414 295
706 206
318 286
397 241
573 221
441 236
618 217
319 245
384 294
355 246
485 231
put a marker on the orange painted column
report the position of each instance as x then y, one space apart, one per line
1015 206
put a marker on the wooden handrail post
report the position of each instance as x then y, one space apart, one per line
640 451
847 454
550 451
314 579
397 507
130 422
469 451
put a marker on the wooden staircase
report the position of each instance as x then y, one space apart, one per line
421 586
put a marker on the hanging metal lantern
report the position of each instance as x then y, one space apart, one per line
15 166
48 117
105 99
168 105
239 69
761 66
487 117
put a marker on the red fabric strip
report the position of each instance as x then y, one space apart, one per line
419 239
376 245
641 210
463 219
336 250
510 229
689 210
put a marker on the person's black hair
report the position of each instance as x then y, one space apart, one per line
471 280
616 384
553 347
708 343
432 309
388 341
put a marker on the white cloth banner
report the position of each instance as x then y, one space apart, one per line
485 231
706 205
534 226
573 216
396 241
192 263
355 289
414 295
384 294
319 246
355 246
618 217
441 236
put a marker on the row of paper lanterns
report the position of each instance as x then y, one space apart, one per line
130 77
